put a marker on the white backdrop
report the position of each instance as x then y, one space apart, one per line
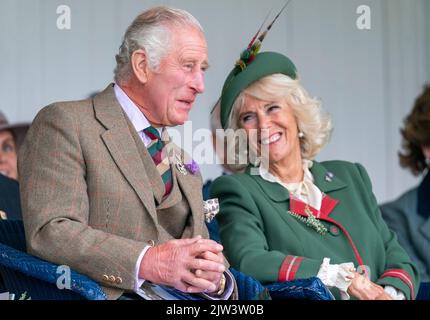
367 79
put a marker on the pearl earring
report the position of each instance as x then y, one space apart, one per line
301 135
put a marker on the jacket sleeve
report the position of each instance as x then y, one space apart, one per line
244 239
55 204
397 219
399 271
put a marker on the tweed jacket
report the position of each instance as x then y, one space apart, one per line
409 218
87 200
263 240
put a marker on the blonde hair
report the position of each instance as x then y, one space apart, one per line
311 119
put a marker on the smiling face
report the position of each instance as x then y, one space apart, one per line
169 94
8 156
271 124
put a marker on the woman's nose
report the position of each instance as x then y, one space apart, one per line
263 121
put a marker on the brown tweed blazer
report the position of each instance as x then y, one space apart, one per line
86 198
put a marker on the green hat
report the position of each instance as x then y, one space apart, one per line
245 73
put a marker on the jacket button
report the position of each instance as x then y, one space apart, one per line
118 280
334 231
112 279
105 277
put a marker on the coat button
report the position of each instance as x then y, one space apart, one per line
118 280
112 279
105 277
334 231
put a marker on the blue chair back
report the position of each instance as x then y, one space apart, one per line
23 273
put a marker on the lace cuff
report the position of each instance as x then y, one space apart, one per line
336 275
394 293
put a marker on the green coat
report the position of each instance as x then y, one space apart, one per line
262 240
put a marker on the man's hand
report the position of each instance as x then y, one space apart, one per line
175 263
364 289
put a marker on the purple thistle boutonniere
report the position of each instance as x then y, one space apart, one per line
192 167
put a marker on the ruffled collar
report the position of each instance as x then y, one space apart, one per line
305 190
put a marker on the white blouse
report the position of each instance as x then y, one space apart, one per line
332 275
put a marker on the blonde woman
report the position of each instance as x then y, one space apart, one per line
288 216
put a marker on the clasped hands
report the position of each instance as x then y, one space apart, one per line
364 289
189 265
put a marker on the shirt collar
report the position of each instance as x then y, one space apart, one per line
305 190
137 118
266 175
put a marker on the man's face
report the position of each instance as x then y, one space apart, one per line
169 94
8 158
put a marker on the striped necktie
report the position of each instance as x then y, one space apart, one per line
160 158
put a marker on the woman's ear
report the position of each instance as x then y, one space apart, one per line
139 65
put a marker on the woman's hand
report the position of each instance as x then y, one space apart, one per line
364 289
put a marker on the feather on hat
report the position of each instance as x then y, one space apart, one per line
251 67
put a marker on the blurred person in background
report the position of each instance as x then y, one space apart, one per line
11 137
409 215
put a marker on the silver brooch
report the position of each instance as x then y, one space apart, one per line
180 166
329 176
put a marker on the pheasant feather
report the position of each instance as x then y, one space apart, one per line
249 54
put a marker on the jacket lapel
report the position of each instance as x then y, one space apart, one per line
323 179
122 147
327 182
191 186
425 229
274 191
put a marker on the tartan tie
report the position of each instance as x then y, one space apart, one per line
155 149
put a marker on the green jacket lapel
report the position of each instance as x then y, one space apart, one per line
325 181
274 191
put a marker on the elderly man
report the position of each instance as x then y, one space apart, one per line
99 192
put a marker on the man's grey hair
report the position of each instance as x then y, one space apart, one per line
151 31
